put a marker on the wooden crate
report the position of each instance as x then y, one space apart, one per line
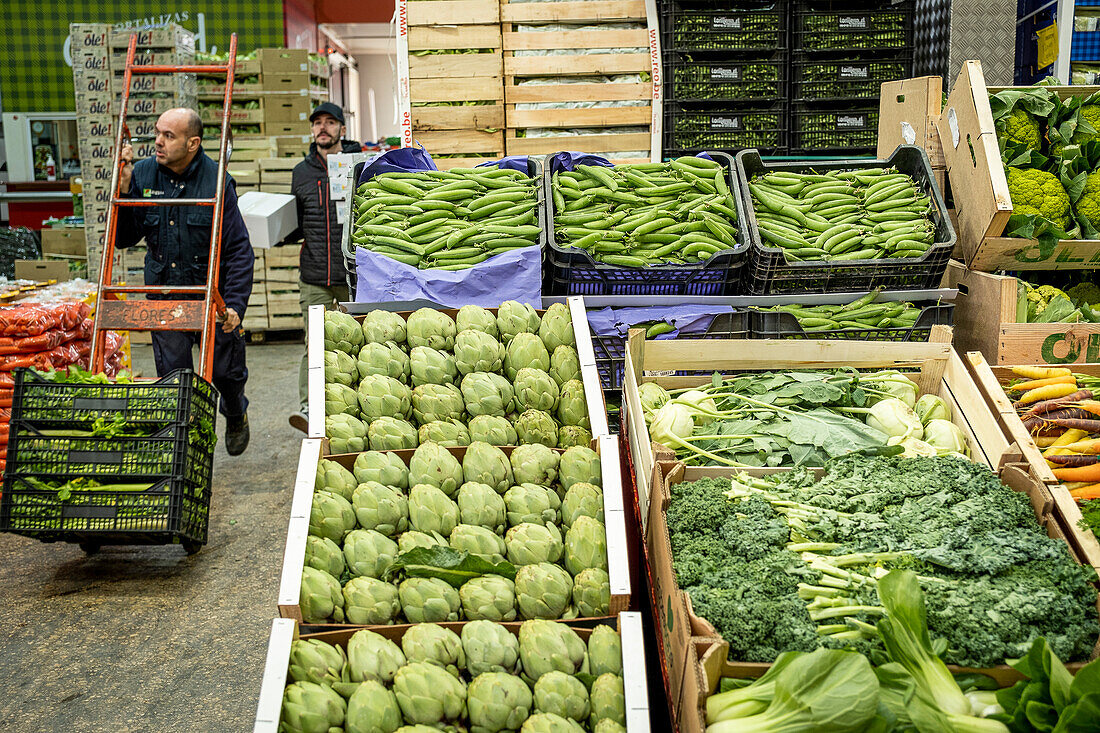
453 12
474 77
283 303
985 321
980 186
284 322
287 276
283 256
907 115
468 143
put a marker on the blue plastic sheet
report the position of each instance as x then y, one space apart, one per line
569 161
685 319
513 275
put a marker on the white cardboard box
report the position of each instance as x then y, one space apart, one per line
269 217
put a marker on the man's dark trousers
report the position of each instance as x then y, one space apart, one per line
172 351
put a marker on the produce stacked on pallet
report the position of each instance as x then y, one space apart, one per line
577 77
274 304
726 71
455 86
842 52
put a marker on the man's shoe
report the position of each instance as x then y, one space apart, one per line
300 421
236 435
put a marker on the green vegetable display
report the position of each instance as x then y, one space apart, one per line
699 79
843 215
481 678
711 30
447 220
847 30
862 314
813 130
1049 304
727 129
848 79
646 215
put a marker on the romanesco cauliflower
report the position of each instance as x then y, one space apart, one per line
1019 127
1090 113
1042 295
1038 193
1088 206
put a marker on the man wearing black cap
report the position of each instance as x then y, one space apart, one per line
322 274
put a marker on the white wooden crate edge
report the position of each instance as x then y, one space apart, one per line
315 372
294 555
270 707
614 514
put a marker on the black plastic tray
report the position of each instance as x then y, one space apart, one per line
836 80
780 325
836 129
769 272
701 77
697 128
573 271
823 26
737 26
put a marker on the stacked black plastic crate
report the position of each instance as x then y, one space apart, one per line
841 54
726 71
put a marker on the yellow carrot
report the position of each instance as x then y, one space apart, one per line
1049 392
1038 372
1046 441
1036 383
1057 448
1087 447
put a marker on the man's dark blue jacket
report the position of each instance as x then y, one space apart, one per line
178 238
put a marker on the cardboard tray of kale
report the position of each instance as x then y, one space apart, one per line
746 25
771 273
574 271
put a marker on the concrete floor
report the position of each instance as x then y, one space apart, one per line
147 639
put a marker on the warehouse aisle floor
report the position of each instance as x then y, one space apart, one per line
147 639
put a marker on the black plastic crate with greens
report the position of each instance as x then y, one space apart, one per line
694 128
736 26
785 322
99 463
700 77
769 272
838 131
846 79
846 26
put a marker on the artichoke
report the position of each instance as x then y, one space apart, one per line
340 368
556 328
310 707
385 468
573 409
489 647
312 660
411 540
431 510
342 333
372 709
432 464
320 598
607 725
368 552
571 435
497 701
580 464
334 478
450 434
346 434
531 543
431 328
481 506
536 390
331 516
433 644
492 429
341 400
324 554
562 694
381 508
565 365
476 351
385 360
372 656
607 699
430 366
534 463
486 394
605 651
429 695
379 396
428 600
532 503
545 646
536 426
585 545
543 590
514 317
478 541
581 500
487 464
592 593
488 597
474 317
381 326
525 350
550 723
391 433
370 601
433 402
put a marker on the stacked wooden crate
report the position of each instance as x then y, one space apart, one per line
577 76
275 174
281 283
456 100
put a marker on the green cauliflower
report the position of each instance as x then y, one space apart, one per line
1085 293
1088 206
1090 113
1038 193
1019 127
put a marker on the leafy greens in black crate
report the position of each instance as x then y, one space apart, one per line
717 30
840 31
727 129
699 80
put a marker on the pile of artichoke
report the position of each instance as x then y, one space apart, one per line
538 511
504 379
483 678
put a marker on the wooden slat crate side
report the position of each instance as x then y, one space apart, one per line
598 117
594 92
1013 253
477 117
431 38
473 142
445 164
583 11
601 64
453 12
551 40
456 65
446 89
596 144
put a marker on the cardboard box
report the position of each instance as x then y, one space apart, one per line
277 164
319 68
181 84
213 116
69 241
88 37
269 217
292 146
282 129
278 61
41 270
103 126
286 255
153 58
275 177
91 64
292 82
168 36
287 108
